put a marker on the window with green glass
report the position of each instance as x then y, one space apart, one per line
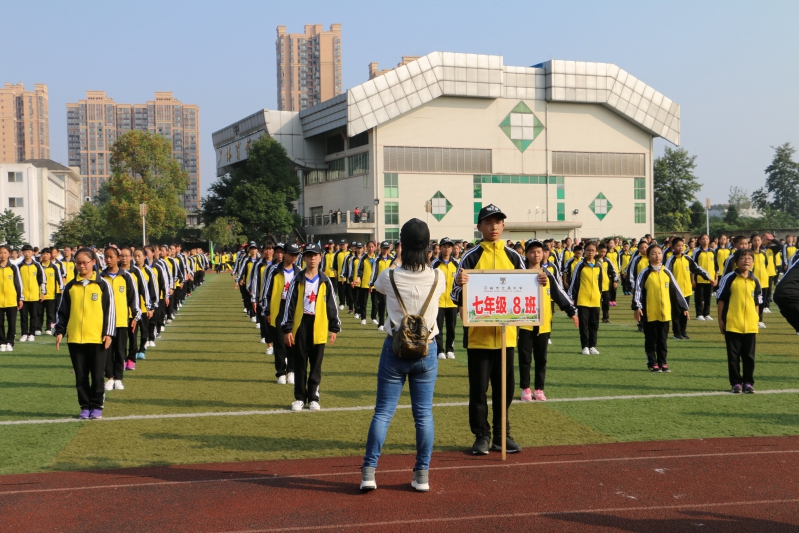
392 212
561 191
392 234
477 207
358 164
478 190
640 188
640 213
561 211
391 185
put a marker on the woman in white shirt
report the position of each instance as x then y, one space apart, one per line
414 280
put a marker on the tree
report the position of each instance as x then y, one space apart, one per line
9 228
259 192
781 193
698 215
224 231
88 228
675 188
731 217
144 171
740 198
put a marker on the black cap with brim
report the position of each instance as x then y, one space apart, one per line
532 242
489 211
280 245
312 249
343 241
446 240
292 249
385 244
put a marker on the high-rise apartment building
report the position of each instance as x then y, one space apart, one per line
374 70
24 123
95 123
308 66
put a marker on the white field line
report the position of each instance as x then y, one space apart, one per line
357 471
371 407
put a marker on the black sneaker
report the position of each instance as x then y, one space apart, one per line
686 337
480 446
664 368
655 368
510 445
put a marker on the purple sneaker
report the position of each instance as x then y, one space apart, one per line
96 414
749 388
84 414
736 389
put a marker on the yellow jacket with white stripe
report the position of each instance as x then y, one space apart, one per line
326 313
126 297
10 286
87 312
743 297
33 286
449 269
656 290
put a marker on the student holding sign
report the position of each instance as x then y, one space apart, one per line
484 344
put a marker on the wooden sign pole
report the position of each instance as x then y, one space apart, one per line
504 394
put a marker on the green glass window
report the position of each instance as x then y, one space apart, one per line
552 180
514 179
640 188
478 179
477 207
392 212
524 179
561 211
391 185
640 213
392 234
335 169
358 163
478 190
496 179
561 191
505 179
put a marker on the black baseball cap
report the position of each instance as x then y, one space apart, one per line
330 241
312 249
280 245
385 244
343 241
292 249
446 240
415 235
532 242
489 211
353 244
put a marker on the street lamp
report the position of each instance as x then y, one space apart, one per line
377 221
143 213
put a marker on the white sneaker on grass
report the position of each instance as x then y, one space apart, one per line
2 347
549 341
593 351
290 378
257 325
767 310
381 328
314 406
169 321
253 319
31 338
700 317
270 351
585 351
24 338
375 322
118 385
109 385
357 316
297 405
761 325
450 355
442 355
363 322
709 318
340 307
263 341
9 347
38 332
281 380
49 331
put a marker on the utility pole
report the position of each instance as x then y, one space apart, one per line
707 215
143 213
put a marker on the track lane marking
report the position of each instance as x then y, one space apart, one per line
371 408
268 477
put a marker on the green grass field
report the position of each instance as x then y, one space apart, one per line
211 360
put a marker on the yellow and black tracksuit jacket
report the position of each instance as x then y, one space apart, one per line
682 267
339 259
272 301
488 256
328 266
613 256
656 291
609 273
68 270
260 271
637 265
143 287
10 286
351 267
326 314
126 297
567 254
448 269
722 254
553 292
33 281
87 312
706 260
568 269
586 284
760 267
730 263
52 280
381 263
624 261
365 266
743 297
788 251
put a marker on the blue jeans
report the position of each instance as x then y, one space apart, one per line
391 375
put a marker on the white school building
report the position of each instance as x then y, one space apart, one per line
564 148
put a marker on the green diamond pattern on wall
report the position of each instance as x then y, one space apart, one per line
440 205
601 206
521 126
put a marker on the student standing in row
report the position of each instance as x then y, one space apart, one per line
740 298
87 317
33 291
586 292
10 299
657 295
125 302
311 312
382 262
447 309
53 285
273 306
362 279
610 281
685 271
705 258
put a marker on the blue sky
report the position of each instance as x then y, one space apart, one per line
733 66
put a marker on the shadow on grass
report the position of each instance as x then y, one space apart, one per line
26 415
213 405
21 385
690 521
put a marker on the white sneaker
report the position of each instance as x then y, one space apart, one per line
257 325
761 325
593 351
381 328
549 341
24 338
290 378
109 385
50 331
357 316
157 335
700 317
767 310
375 322
363 322
245 309
31 338
709 318
38 332
253 319
270 351
340 307
10 347
168 320
450 355
263 341
585 351
152 344
281 380
442 355
2 347
297 405
118 384
314 406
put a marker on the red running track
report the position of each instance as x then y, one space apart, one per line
716 485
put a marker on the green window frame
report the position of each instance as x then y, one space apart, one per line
561 211
478 190
335 169
358 164
477 207
640 213
392 234
392 213
391 185
640 188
